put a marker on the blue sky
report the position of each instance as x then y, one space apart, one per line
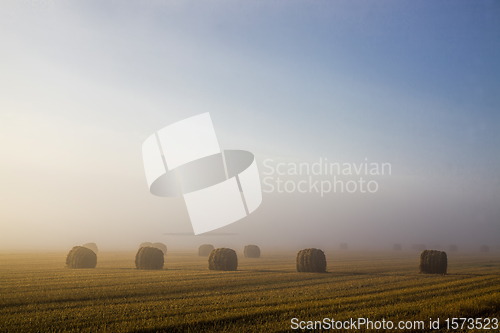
411 83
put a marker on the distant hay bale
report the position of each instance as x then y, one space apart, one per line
484 248
145 244
81 257
453 248
344 246
436 247
160 246
396 247
205 249
311 260
149 257
418 247
222 259
433 262
251 251
91 246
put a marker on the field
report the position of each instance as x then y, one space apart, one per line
38 294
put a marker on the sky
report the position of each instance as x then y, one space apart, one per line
415 84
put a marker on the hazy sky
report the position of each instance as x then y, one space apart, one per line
412 83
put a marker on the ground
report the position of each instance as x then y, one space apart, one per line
38 294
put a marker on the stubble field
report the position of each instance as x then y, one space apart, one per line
38 294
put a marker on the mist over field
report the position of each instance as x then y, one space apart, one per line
84 83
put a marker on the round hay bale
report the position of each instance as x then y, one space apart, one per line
344 246
223 259
251 251
397 247
205 249
91 246
160 246
149 258
311 260
484 248
433 262
81 257
453 248
145 244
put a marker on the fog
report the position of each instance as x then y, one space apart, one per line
85 83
